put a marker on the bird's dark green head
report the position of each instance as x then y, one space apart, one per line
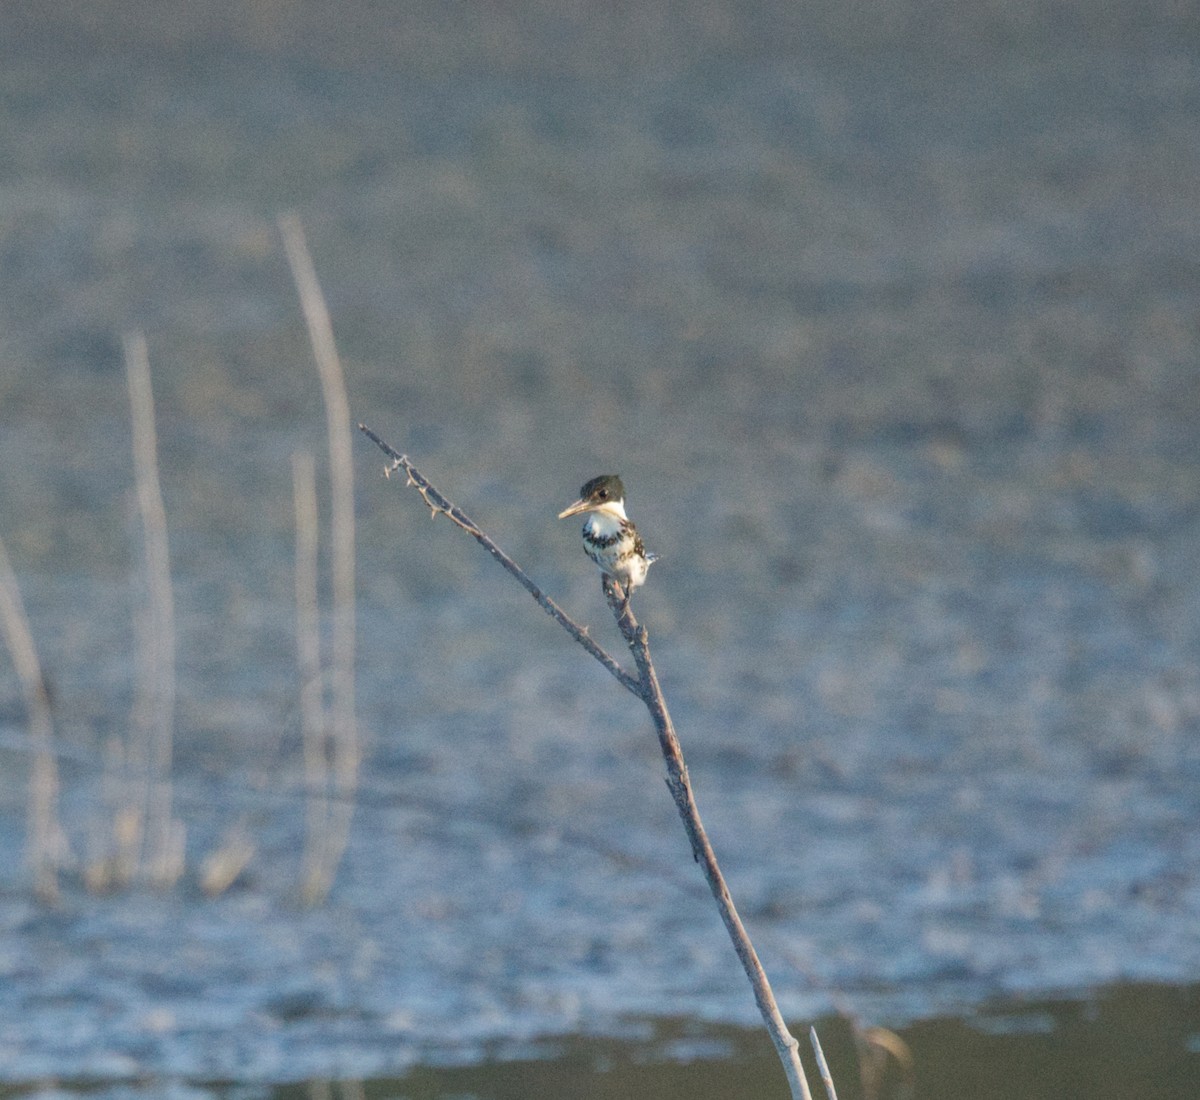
603 488
602 491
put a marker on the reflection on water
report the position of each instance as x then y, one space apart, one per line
1141 1040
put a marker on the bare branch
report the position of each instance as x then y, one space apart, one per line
439 505
647 688
680 786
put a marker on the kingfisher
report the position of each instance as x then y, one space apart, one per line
609 536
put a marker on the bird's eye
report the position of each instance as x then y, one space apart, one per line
603 494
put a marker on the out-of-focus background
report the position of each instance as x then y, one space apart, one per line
887 313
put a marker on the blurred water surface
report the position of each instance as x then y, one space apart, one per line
886 313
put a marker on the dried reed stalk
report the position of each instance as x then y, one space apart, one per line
45 841
313 719
341 722
154 703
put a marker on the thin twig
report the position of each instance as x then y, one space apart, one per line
439 506
646 687
822 1065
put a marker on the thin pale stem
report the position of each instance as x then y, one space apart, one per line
822 1065
313 719
343 722
157 707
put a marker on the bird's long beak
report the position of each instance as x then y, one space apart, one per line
580 505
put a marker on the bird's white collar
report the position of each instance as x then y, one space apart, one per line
608 517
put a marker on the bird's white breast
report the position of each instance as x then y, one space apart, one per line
603 523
